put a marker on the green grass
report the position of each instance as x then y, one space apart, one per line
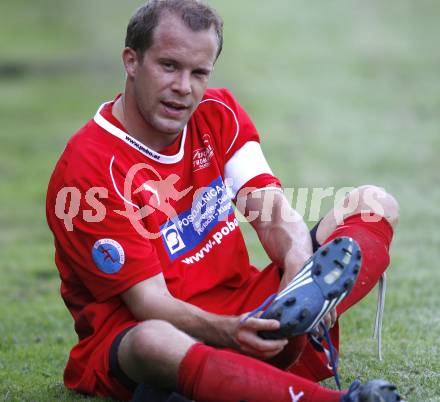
343 93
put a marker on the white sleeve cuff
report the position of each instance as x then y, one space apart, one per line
246 163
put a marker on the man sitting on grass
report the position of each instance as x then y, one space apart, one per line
154 268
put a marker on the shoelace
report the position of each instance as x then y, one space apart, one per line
332 356
261 307
379 313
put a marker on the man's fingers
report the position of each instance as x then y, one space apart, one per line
260 324
252 341
334 317
330 318
260 355
327 321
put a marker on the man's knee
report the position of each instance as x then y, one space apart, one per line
153 350
369 199
148 336
150 340
377 200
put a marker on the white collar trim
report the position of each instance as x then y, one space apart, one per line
128 139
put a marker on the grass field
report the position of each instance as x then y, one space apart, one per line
343 92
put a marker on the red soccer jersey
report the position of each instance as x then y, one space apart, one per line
122 213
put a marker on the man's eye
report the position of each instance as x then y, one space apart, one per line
201 74
168 66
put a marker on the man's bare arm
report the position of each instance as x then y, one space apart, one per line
151 299
281 230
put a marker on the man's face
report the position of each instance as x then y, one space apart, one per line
170 80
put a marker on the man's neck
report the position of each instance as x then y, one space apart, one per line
136 126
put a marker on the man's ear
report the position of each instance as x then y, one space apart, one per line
130 60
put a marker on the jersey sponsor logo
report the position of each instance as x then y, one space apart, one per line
211 205
141 147
173 239
202 156
108 255
215 240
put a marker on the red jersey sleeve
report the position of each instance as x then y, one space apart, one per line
98 245
244 162
231 119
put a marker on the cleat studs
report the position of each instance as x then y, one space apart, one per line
277 315
318 269
348 283
358 255
292 324
287 330
333 294
303 314
356 269
337 240
290 301
324 252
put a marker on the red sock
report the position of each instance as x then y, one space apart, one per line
374 239
212 375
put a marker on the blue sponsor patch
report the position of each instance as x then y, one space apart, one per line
108 255
186 231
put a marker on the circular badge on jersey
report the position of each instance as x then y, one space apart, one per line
108 255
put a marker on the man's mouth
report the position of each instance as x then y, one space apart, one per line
177 106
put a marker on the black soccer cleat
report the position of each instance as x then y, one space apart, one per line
372 391
324 281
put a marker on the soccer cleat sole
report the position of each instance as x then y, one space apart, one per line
324 281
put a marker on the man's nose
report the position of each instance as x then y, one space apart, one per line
182 83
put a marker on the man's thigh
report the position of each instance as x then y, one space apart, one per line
256 290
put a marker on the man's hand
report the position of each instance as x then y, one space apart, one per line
249 342
329 320
150 299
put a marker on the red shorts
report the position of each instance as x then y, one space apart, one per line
95 378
